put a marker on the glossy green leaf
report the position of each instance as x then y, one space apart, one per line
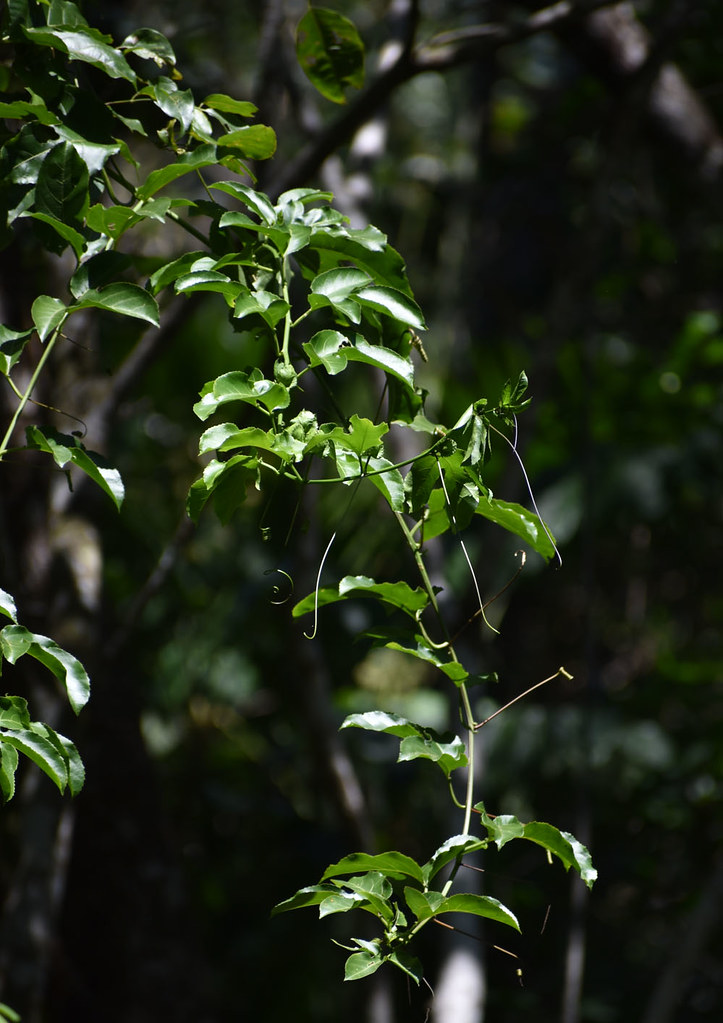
332 350
176 103
392 864
265 304
12 344
15 640
228 105
362 964
8 767
75 771
124 299
453 849
65 448
14 712
250 386
399 595
361 436
518 520
22 109
209 280
426 905
87 45
312 895
7 606
387 480
202 156
47 314
393 303
253 142
69 235
504 828
40 750
61 190
150 45
257 202
340 902
330 52
337 288
448 751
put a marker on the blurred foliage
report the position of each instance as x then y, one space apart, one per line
546 224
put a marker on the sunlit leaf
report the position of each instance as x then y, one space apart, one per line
518 520
65 448
124 299
391 864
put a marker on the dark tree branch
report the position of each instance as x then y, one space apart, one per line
442 53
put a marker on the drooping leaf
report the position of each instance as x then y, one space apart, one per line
392 864
202 156
7 606
47 313
426 905
8 767
64 231
330 52
312 895
518 520
61 190
249 386
65 448
228 105
393 303
84 44
14 712
362 964
40 750
259 203
12 344
454 848
399 595
253 141
149 44
504 828
122 298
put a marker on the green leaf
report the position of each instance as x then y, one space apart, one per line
73 238
362 964
504 828
67 750
337 288
87 45
65 667
387 480
40 750
12 345
332 350
381 721
150 45
340 902
47 314
14 712
228 105
362 435
209 280
518 520
8 1013
65 448
426 905
399 595
249 386
253 142
62 186
393 303
176 103
454 848
7 606
313 895
330 52
8 767
15 640
124 299
202 156
259 203
447 751
392 864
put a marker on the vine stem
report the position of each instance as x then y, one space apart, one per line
469 722
25 397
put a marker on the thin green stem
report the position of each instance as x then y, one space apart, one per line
287 318
25 397
464 695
